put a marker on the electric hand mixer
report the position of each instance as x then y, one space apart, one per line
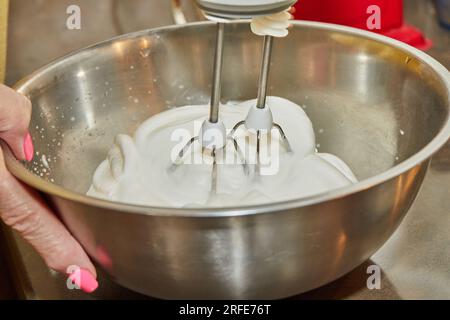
212 135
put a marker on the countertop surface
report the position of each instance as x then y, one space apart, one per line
415 262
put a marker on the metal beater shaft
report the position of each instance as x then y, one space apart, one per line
217 76
264 74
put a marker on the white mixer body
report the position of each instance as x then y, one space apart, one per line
242 9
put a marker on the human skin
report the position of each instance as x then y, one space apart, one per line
21 207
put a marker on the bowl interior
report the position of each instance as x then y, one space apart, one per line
371 104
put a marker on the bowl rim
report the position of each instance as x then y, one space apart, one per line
20 172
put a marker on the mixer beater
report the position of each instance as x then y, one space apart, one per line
260 118
212 135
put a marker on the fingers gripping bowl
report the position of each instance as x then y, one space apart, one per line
381 106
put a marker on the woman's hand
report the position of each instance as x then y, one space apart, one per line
22 208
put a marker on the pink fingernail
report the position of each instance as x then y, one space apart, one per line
85 280
28 147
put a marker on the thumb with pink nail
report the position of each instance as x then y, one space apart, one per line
22 208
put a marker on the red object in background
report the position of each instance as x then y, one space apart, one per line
354 13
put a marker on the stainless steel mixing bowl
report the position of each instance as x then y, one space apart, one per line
382 106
